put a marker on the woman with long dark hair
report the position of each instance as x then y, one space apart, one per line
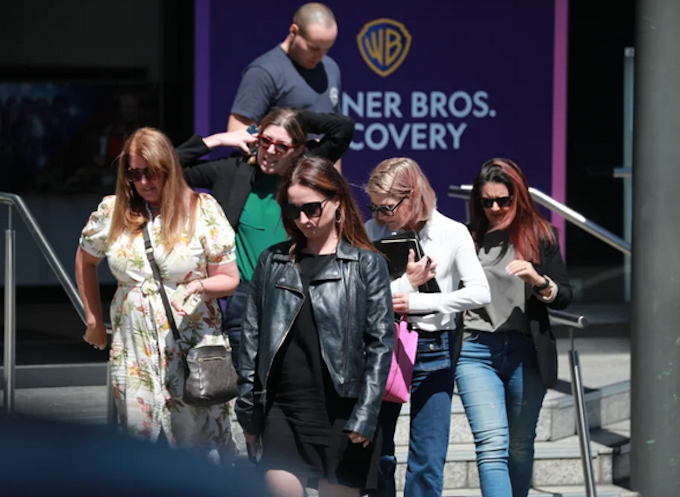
508 357
317 341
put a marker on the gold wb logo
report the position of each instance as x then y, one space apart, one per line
384 44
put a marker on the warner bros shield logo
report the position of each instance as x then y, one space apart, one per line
384 44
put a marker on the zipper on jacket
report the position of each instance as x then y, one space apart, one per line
346 330
276 351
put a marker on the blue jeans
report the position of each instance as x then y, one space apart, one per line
232 319
502 391
431 392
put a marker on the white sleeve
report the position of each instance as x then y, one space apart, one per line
402 285
475 292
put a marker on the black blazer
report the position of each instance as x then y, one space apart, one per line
553 267
230 179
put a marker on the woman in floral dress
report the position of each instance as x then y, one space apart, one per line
194 245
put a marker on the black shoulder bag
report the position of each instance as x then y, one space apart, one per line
210 377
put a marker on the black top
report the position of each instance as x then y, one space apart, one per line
304 431
300 376
230 179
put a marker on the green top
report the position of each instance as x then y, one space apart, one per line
260 225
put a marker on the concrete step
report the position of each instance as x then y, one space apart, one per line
549 491
616 436
557 420
555 463
563 491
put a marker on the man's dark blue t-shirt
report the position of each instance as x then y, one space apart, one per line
275 80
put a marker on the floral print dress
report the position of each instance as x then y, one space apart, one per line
147 373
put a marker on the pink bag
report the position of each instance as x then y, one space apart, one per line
398 386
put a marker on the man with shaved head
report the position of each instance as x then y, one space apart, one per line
296 73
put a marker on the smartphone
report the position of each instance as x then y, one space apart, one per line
188 303
253 129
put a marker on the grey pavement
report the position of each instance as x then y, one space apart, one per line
604 361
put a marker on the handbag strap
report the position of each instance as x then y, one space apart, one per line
159 279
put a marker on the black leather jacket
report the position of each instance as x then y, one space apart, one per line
352 304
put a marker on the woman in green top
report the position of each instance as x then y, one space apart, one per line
248 194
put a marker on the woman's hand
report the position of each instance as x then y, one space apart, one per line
195 287
241 139
400 302
358 438
96 336
419 273
525 270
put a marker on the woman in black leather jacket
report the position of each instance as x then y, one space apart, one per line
317 340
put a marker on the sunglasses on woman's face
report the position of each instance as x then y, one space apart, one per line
280 148
137 174
385 210
487 203
311 209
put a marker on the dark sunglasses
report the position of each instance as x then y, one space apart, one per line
487 203
280 148
385 210
311 209
136 174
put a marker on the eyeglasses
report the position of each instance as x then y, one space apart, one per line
311 209
487 203
136 174
279 147
385 210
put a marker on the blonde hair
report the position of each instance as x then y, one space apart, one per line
402 177
178 201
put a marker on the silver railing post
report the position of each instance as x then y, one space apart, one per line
111 414
10 316
582 428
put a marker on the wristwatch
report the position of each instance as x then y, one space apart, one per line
540 288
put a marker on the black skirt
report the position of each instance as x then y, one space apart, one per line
304 430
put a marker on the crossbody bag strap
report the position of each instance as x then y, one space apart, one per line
148 248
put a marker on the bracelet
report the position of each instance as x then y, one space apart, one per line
200 282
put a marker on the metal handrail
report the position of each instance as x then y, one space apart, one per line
623 172
12 199
568 319
569 214
577 391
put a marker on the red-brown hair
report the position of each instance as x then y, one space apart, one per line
319 174
178 203
525 224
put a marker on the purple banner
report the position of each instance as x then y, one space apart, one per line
449 84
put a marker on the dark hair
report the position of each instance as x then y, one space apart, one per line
525 224
319 174
290 120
